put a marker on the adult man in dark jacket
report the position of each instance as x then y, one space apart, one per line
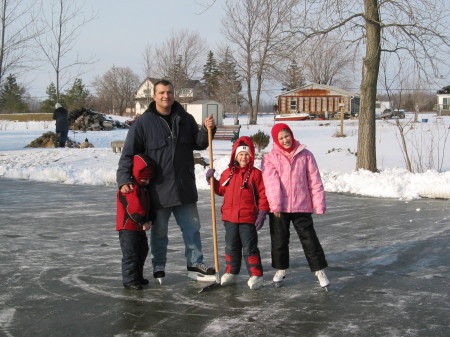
62 124
168 135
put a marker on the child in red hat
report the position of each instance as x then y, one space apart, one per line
244 210
134 217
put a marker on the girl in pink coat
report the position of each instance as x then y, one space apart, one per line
294 190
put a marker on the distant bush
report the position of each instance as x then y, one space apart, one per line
260 140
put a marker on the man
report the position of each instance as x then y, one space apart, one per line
62 124
168 135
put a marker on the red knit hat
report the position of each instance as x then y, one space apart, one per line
276 130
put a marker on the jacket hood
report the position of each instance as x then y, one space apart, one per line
244 140
142 162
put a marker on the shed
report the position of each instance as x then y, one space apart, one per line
202 108
443 102
322 100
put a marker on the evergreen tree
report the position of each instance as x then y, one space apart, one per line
48 105
11 97
210 79
75 97
178 75
229 85
293 77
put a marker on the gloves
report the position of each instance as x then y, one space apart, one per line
260 219
209 174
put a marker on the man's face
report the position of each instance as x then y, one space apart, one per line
163 98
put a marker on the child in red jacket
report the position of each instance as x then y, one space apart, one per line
134 217
244 210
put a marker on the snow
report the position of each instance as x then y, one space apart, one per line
335 155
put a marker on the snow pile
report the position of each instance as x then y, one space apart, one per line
334 155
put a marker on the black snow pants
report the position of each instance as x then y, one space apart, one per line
134 245
280 235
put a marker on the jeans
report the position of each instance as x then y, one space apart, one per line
63 135
188 220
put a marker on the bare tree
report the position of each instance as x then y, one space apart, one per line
116 90
179 58
257 30
414 27
63 25
148 57
16 35
328 60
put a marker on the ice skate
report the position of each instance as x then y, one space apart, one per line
323 280
228 278
255 282
278 278
159 273
201 273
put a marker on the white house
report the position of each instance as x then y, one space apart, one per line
144 94
443 101
202 108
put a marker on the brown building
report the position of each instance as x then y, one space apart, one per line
317 99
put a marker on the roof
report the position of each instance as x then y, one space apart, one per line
322 87
204 101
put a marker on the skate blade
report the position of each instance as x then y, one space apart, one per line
200 277
160 280
209 287
278 284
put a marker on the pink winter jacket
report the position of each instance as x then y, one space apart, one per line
293 185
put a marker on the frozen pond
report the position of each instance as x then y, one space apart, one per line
60 272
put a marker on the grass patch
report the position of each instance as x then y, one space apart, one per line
27 117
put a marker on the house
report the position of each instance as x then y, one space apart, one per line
318 99
144 95
443 102
202 108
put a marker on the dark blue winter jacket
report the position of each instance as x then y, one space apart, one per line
172 152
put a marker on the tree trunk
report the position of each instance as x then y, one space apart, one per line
366 156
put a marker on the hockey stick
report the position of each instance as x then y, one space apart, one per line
213 215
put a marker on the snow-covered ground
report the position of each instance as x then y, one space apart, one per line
426 141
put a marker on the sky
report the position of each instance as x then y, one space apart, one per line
120 32
334 155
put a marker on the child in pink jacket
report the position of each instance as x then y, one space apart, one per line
294 190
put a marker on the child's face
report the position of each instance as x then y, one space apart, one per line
243 158
144 181
285 139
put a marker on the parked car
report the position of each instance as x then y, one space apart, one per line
337 115
398 114
386 114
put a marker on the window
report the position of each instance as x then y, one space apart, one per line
446 103
293 105
186 92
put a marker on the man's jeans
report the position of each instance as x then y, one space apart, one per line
188 220
63 136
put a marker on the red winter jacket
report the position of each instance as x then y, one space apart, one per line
242 201
133 209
